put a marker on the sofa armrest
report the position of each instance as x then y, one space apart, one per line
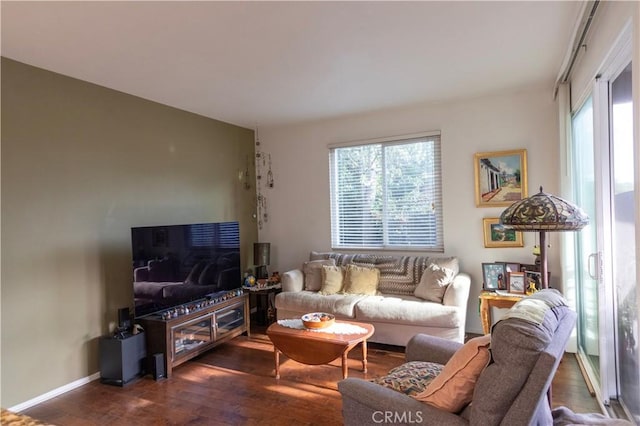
366 403
292 280
457 293
424 347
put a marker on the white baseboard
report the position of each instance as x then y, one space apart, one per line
56 392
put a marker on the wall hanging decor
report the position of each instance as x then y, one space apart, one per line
500 177
496 235
264 179
244 175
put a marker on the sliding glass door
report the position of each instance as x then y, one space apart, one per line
624 250
605 251
587 253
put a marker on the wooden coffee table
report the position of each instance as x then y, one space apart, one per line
316 348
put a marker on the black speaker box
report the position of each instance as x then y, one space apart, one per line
157 366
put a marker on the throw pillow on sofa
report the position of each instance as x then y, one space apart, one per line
453 388
332 279
433 283
447 262
313 273
361 280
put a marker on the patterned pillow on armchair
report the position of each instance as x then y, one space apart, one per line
410 378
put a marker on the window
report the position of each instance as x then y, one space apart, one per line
387 194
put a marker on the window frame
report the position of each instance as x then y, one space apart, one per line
433 137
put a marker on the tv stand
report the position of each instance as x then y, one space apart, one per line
181 337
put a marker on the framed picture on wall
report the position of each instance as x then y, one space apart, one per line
494 276
496 235
500 177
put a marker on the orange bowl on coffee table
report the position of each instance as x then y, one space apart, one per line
318 320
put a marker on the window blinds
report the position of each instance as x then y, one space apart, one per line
387 195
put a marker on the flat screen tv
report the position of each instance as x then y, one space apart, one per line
176 264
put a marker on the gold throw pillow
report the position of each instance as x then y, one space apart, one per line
332 279
361 280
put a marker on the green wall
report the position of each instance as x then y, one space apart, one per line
81 165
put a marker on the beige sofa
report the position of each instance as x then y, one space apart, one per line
395 311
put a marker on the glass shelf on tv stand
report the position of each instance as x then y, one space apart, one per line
187 337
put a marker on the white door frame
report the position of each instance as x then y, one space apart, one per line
617 60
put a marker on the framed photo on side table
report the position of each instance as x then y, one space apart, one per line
525 267
533 279
517 283
494 276
512 266
501 177
532 274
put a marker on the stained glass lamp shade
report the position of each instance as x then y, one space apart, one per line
544 212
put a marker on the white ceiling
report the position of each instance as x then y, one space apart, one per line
270 63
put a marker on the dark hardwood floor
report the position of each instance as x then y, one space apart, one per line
233 384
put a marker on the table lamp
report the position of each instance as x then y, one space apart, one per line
261 258
544 213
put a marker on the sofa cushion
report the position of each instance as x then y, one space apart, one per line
361 280
341 305
332 279
410 378
313 273
408 310
433 283
453 389
447 262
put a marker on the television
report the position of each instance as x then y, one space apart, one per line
176 264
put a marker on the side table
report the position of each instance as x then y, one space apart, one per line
263 300
490 300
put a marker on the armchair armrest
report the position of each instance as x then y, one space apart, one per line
423 347
292 280
366 403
